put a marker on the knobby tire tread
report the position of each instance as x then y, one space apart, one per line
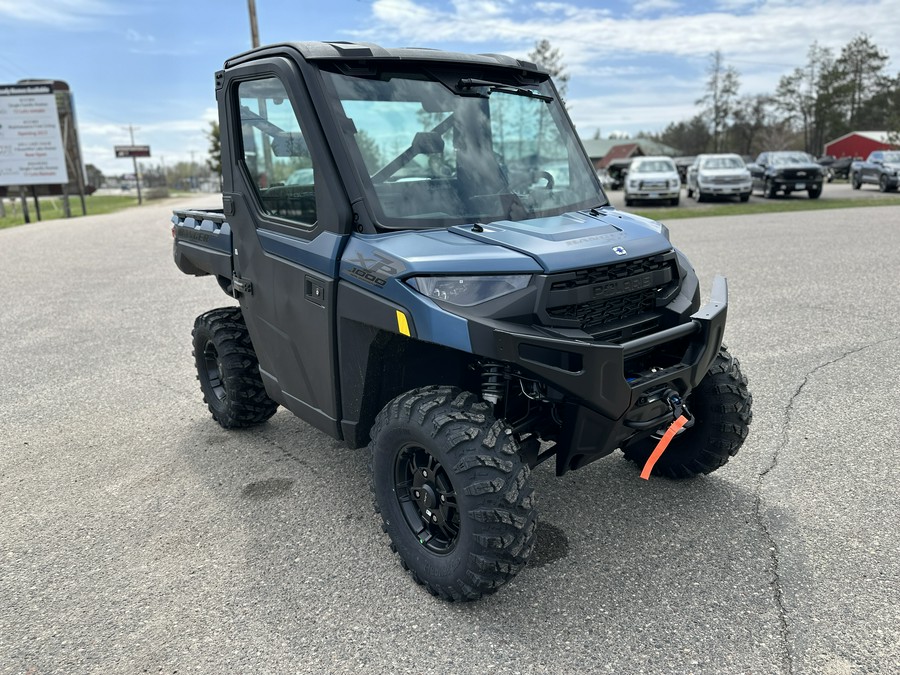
723 405
246 403
482 458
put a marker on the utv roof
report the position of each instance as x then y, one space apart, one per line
366 51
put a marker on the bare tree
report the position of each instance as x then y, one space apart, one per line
549 58
719 99
752 115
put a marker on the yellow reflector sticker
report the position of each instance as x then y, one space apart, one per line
402 325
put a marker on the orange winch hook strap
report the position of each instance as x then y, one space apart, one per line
662 445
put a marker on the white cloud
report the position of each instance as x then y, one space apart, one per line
170 141
65 14
658 61
647 6
134 36
790 26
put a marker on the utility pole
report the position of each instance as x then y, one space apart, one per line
137 175
254 29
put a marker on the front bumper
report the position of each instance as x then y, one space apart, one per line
606 401
797 184
725 188
648 195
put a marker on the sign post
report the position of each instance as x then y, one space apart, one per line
134 151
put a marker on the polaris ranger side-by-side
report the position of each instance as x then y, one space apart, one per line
426 264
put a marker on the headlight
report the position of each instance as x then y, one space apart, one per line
674 183
468 291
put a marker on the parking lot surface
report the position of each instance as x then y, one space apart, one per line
138 536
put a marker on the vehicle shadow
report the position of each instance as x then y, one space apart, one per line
614 553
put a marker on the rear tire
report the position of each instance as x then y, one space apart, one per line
228 370
721 405
452 491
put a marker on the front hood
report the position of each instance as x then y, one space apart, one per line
724 173
575 240
656 175
800 166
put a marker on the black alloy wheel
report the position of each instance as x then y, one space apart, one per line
426 498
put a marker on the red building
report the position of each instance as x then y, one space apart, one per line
859 144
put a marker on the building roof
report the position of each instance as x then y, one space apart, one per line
877 136
623 151
600 147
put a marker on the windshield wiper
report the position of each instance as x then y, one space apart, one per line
471 83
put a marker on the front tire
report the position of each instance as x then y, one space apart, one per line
770 191
856 181
452 491
815 193
883 183
745 196
721 406
228 370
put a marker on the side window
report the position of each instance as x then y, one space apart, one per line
275 152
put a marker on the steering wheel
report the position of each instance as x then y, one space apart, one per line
531 180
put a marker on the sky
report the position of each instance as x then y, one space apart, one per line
633 66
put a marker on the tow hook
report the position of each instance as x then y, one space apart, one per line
676 405
679 407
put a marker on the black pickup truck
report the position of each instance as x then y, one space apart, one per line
786 172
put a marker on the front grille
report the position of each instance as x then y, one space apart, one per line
599 299
653 185
726 180
591 316
799 174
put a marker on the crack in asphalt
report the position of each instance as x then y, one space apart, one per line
776 584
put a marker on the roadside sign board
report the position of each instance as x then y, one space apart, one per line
132 150
31 147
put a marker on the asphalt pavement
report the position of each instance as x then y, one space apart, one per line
138 536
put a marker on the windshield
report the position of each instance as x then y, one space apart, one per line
791 158
892 157
443 149
653 166
723 163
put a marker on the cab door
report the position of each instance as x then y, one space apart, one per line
288 213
